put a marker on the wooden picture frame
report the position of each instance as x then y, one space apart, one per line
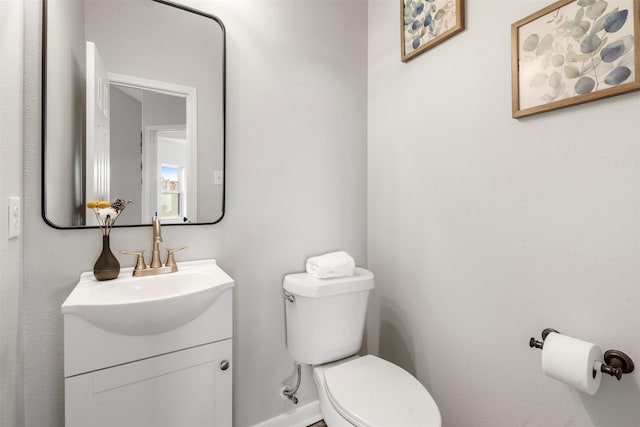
572 52
426 23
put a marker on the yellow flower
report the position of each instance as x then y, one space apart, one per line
106 212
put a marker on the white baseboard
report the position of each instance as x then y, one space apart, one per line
298 417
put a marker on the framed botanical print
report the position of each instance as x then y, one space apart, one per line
426 23
574 51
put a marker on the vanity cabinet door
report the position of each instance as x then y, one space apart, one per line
187 388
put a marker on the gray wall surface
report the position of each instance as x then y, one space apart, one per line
126 183
296 187
484 230
11 182
65 110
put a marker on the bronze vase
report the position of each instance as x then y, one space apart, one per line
107 266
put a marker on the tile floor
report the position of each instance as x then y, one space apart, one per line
320 423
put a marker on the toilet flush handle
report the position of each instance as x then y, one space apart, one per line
288 297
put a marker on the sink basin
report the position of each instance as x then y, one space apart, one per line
148 305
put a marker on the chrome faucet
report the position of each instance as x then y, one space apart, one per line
156 266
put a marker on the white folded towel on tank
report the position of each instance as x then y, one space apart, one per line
333 264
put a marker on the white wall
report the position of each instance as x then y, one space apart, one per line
483 230
296 186
125 152
11 365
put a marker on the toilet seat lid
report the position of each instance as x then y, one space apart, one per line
369 391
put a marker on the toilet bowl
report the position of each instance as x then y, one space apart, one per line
325 324
371 392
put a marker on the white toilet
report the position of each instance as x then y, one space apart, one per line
325 324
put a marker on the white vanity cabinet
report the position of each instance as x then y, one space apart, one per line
162 374
186 388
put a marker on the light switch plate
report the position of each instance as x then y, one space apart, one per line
217 177
15 215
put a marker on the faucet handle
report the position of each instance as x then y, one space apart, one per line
140 264
171 261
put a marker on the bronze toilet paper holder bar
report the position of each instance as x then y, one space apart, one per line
615 363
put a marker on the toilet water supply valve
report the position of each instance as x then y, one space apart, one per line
290 393
287 390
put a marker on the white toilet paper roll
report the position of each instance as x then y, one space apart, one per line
572 361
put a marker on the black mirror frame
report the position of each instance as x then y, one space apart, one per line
44 119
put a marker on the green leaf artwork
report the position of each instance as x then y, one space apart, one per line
579 48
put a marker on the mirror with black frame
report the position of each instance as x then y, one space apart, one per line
133 108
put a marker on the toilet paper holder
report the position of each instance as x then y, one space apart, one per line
615 363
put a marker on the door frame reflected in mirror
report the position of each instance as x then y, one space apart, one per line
150 173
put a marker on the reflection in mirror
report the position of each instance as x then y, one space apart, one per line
134 109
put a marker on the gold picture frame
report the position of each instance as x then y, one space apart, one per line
572 52
426 23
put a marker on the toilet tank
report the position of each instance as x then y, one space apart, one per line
326 320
